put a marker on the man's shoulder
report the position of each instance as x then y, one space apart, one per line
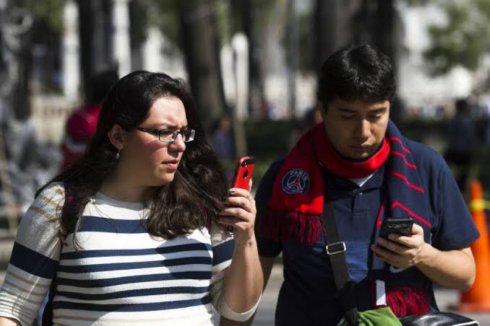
426 158
423 152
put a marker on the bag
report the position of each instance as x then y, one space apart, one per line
438 319
375 317
385 317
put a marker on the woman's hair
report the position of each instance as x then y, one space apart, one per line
195 195
356 73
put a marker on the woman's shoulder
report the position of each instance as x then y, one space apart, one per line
49 202
53 190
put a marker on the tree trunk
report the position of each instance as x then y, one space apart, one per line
95 43
256 79
324 30
385 28
201 53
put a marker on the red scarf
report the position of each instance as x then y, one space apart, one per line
297 197
299 184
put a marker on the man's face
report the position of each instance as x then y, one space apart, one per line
356 128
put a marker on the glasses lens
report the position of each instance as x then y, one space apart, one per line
167 135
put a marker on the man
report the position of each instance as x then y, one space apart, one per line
462 142
358 161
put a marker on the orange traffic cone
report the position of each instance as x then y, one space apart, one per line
477 298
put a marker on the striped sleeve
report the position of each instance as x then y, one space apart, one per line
34 257
223 245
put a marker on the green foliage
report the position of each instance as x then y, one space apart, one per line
224 20
138 15
268 139
305 40
462 40
165 15
48 11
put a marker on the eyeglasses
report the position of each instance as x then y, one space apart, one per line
169 135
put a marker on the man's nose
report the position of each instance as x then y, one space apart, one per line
363 129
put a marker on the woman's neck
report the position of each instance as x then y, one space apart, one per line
122 191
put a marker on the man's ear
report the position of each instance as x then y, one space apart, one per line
117 136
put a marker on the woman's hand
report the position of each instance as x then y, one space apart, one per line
239 214
243 280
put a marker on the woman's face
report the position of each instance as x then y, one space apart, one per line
147 161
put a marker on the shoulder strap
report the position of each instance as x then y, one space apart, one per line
335 249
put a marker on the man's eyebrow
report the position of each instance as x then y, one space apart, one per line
379 109
346 110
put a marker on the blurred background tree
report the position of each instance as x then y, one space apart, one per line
253 60
462 39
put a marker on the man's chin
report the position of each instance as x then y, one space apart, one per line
358 156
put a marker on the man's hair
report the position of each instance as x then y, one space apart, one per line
356 73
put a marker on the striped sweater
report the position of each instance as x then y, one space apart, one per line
119 275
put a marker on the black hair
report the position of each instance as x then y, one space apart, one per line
356 73
192 200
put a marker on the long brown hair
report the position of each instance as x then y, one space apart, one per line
192 200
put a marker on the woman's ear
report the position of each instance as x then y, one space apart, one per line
117 136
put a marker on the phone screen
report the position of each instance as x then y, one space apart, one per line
243 172
401 226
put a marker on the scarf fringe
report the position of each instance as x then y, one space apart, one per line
292 226
406 301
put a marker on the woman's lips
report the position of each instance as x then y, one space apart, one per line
173 165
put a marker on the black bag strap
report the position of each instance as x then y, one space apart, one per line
335 249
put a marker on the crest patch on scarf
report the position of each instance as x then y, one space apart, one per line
296 181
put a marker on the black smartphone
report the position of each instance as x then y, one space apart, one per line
400 225
243 172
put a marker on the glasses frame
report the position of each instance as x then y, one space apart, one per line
175 133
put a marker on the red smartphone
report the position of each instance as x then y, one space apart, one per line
243 172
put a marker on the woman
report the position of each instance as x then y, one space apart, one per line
140 234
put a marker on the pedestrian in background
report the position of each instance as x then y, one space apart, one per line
358 162
136 231
462 143
222 139
81 124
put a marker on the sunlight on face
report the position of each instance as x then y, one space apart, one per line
152 162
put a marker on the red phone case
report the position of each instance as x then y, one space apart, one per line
244 172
